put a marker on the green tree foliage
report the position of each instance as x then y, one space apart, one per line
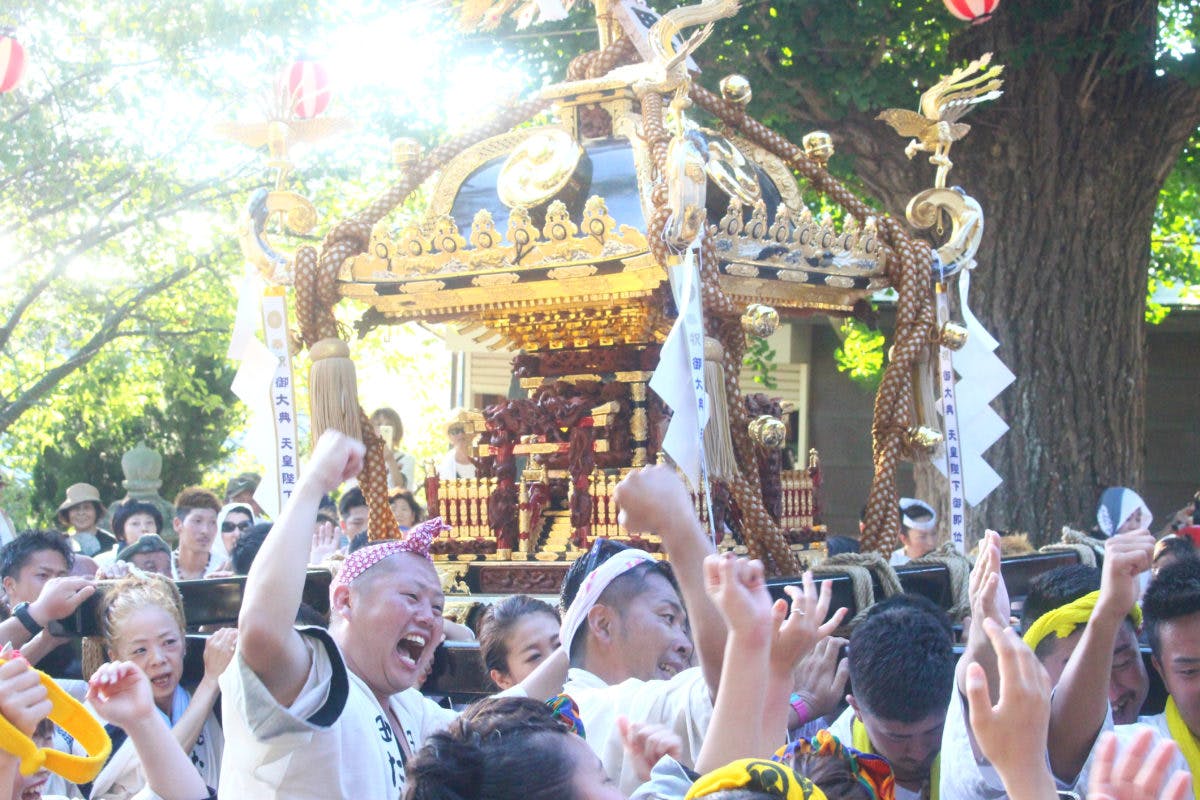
116 266
860 355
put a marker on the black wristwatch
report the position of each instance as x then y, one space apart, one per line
21 612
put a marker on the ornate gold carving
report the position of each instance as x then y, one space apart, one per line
496 279
483 230
445 235
421 287
564 273
743 270
538 168
559 227
839 281
936 128
777 170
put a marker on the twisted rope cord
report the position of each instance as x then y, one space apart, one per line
958 567
859 568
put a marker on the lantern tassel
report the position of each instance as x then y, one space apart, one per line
333 389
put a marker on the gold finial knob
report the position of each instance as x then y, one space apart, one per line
405 152
736 89
953 335
768 432
924 437
818 146
760 320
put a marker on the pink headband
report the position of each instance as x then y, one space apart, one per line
417 542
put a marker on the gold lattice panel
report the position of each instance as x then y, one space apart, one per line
580 327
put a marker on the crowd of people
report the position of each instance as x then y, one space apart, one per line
648 679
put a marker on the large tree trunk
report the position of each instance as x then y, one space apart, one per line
1068 165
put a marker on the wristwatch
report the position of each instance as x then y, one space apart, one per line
21 612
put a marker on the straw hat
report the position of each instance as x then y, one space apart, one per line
78 494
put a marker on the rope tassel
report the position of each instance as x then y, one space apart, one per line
333 389
718 444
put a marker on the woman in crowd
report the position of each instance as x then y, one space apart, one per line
141 621
515 635
406 508
400 465
131 521
81 512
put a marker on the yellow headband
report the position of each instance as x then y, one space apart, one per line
68 714
1063 621
768 777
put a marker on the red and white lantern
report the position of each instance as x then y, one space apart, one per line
973 11
12 63
308 88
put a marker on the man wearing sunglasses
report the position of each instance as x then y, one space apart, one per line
232 521
634 626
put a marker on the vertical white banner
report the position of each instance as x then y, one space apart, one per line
286 469
953 445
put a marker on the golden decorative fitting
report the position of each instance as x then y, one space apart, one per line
767 431
736 89
760 320
818 146
446 237
936 128
952 335
924 437
538 168
559 227
405 152
483 230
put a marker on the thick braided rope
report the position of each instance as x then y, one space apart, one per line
860 567
762 535
598 63
909 266
317 291
958 567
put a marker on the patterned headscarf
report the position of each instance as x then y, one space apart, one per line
872 772
418 540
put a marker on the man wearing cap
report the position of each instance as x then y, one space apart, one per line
81 512
151 553
316 714
918 531
629 624
240 489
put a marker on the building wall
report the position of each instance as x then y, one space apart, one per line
1172 414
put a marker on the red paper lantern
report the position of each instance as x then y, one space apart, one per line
973 11
308 88
12 63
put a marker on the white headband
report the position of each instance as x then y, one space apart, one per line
907 503
594 584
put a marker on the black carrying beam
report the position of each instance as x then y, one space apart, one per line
933 581
213 601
